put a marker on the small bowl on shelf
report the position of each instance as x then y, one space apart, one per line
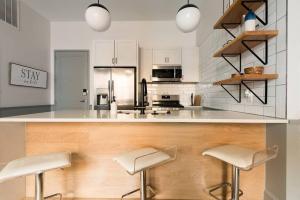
235 75
254 70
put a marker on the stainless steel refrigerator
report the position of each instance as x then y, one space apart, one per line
115 82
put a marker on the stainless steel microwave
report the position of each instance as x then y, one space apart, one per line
163 73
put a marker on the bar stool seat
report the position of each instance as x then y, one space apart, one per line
241 159
36 165
235 155
138 160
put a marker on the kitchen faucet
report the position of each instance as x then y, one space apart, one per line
144 95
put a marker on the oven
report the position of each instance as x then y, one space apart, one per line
163 73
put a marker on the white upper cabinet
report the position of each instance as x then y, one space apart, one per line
190 64
146 64
104 53
167 56
126 53
110 53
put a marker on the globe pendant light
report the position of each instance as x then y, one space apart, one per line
98 17
188 18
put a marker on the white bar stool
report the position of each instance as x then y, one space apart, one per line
139 161
241 159
36 165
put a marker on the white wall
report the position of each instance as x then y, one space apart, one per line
293 60
214 69
30 46
78 36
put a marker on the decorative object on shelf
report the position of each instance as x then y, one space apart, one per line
250 21
98 17
232 17
235 75
254 70
27 76
188 17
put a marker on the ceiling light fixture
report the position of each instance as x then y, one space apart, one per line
188 17
98 17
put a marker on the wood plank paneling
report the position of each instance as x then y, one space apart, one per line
94 174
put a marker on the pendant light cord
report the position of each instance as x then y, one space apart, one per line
98 2
188 1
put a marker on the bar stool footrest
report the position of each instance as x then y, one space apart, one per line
222 185
149 188
54 195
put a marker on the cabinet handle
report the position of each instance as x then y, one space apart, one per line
116 61
113 60
167 59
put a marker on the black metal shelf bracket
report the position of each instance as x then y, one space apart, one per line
224 26
264 22
263 61
265 101
239 70
239 99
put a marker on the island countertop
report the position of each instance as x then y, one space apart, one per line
182 116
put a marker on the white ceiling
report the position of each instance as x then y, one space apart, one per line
131 10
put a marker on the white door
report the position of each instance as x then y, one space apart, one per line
190 64
146 64
167 56
126 53
104 53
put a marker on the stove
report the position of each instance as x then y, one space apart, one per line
166 102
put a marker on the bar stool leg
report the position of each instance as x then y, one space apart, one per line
39 186
143 185
235 183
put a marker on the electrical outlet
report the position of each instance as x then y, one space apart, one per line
249 96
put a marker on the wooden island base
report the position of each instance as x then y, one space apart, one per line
95 175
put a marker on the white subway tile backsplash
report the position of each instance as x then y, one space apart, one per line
282 37
214 69
281 68
281 101
281 8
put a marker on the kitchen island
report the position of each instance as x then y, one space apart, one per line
95 137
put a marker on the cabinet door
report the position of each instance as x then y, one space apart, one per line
167 56
190 64
104 53
126 53
146 64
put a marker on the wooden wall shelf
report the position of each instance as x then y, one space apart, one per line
233 15
247 77
242 79
236 46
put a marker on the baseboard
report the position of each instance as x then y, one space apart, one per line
24 110
269 196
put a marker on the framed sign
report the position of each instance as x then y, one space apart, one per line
27 76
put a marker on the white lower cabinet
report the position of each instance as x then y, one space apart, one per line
190 64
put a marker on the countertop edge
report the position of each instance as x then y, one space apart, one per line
90 120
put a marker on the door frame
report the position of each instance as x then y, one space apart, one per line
88 71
